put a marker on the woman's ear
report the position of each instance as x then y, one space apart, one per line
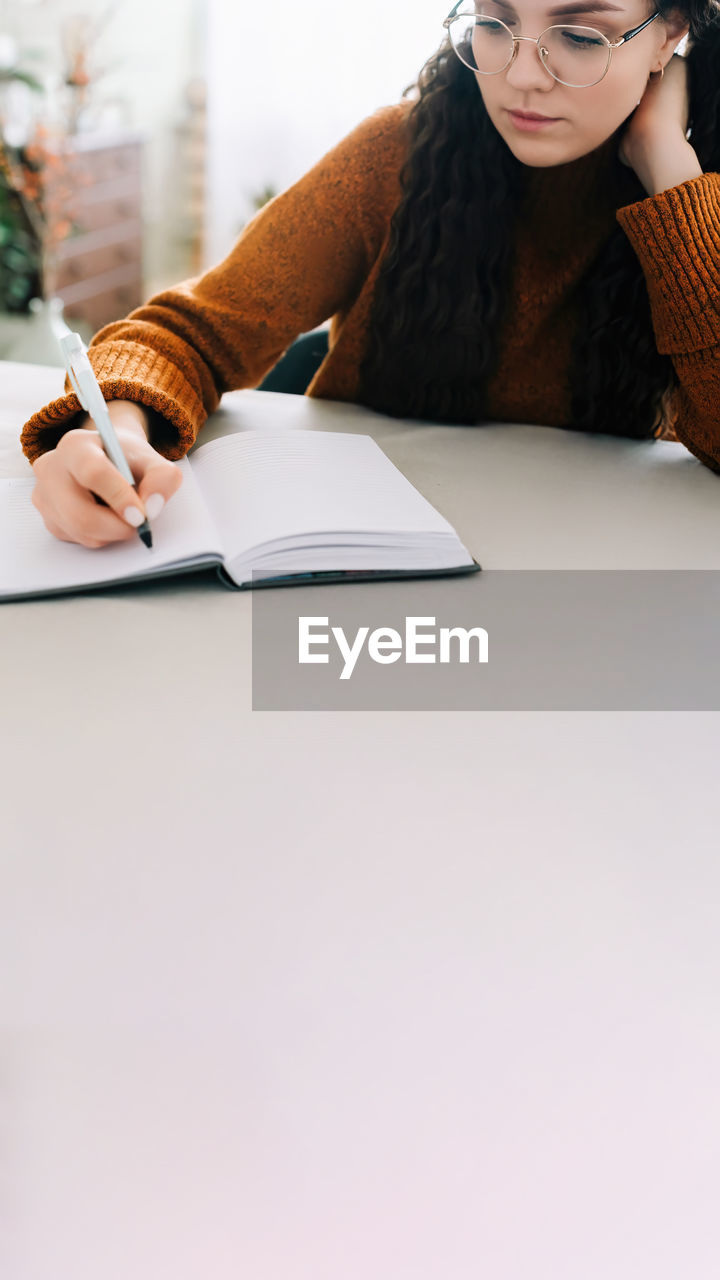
675 26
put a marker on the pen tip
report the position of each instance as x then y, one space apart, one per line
145 534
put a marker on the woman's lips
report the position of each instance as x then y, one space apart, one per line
529 122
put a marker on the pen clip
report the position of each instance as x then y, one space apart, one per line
75 384
71 345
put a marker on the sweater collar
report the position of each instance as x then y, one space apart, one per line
598 181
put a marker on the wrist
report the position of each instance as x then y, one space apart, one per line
670 164
125 414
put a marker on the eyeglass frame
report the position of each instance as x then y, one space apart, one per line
611 44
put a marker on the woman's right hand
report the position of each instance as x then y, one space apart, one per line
68 477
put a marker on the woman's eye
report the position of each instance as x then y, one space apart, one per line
580 41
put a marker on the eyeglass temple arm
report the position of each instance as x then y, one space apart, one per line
615 44
452 13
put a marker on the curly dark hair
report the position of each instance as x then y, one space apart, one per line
442 290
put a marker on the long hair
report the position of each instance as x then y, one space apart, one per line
443 285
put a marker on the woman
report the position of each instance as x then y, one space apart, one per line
535 237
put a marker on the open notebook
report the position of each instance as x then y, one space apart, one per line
264 509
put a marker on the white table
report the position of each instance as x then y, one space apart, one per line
521 497
296 996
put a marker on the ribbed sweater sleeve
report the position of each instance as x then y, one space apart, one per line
676 236
301 260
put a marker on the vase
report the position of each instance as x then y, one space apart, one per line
38 337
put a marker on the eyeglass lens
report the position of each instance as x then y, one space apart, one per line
576 56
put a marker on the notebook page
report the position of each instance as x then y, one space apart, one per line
262 487
32 559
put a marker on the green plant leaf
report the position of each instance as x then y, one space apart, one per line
6 75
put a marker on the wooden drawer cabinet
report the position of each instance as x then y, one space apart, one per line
96 253
99 267
99 160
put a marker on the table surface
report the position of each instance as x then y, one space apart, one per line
299 996
521 497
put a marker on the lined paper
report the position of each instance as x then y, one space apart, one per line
32 559
268 487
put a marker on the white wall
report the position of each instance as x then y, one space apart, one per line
150 50
287 81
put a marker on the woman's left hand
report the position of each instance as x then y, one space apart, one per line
654 142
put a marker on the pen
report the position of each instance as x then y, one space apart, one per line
87 390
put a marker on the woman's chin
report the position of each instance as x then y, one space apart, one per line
545 153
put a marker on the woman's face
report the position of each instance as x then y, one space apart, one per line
579 119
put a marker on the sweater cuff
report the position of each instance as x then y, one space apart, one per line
676 236
127 371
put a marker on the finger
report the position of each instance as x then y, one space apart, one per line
78 515
71 513
156 478
160 481
89 466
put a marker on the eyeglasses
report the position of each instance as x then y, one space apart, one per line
575 56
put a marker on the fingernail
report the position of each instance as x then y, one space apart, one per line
154 505
134 516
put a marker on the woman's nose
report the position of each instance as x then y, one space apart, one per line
526 70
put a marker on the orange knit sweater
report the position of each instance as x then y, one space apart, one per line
315 251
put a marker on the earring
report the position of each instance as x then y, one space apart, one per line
660 73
